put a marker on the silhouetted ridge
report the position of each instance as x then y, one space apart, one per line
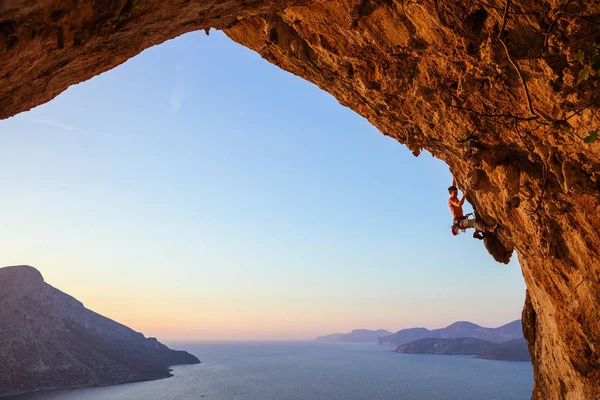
460 329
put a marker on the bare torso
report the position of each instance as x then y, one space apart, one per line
455 207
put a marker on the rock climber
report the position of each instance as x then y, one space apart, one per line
462 221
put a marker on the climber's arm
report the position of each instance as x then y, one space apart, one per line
456 202
464 197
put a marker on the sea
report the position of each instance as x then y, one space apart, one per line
318 371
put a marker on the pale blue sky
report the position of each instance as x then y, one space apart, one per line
199 192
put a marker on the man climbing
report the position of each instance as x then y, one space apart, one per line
461 221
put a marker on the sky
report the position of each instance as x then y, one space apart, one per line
197 192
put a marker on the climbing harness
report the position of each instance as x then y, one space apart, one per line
457 221
456 227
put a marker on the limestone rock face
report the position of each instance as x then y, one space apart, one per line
490 87
49 340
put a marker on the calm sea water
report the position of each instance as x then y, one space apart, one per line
316 371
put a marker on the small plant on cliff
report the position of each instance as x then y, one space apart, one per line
591 67
470 139
591 64
126 11
592 137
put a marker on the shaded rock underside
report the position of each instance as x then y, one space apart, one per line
488 86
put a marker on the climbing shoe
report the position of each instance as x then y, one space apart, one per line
478 235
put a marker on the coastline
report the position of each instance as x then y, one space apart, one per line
302 370
21 395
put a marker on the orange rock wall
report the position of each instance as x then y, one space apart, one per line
488 87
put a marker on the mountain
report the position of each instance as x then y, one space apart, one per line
461 329
332 337
49 340
404 336
356 336
513 350
446 346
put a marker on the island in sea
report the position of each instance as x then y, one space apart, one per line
459 329
462 337
512 350
49 340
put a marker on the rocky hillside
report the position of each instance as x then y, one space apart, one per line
50 340
460 329
446 346
513 350
356 336
505 92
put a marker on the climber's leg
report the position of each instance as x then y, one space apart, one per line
482 227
